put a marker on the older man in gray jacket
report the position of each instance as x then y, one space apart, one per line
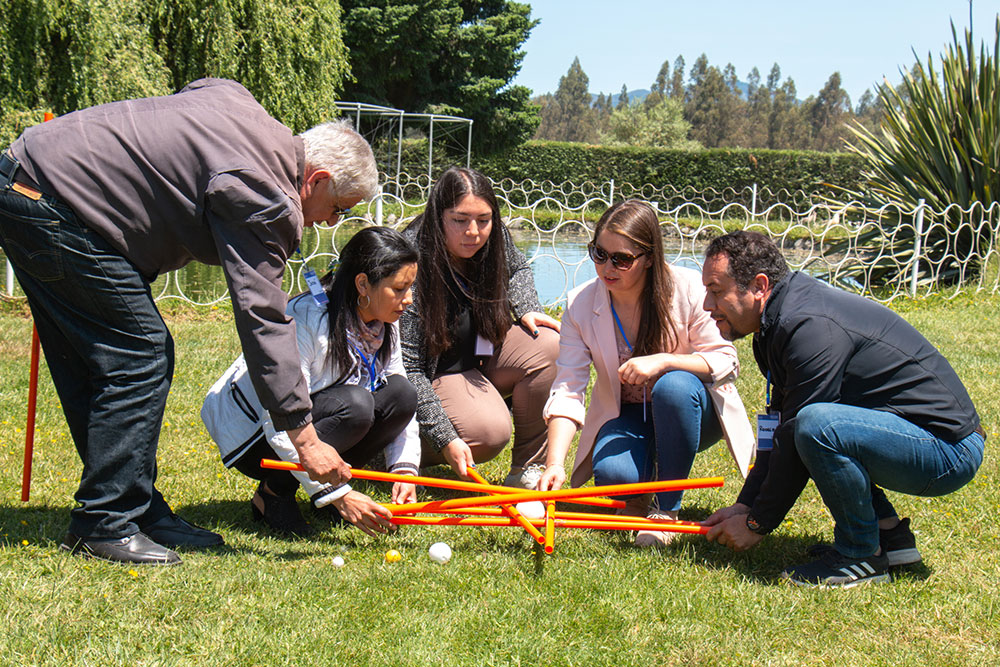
94 206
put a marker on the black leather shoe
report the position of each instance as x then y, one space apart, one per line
174 531
280 513
136 548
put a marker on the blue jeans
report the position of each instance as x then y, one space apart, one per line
848 449
679 422
109 353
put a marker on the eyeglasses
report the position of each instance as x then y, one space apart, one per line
619 260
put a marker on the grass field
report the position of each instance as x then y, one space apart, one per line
597 601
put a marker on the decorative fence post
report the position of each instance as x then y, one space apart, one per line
378 207
10 279
918 226
611 196
753 202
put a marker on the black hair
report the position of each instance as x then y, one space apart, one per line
749 253
484 277
377 252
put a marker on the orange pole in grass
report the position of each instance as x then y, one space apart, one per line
455 485
509 510
578 516
550 526
561 494
559 523
29 426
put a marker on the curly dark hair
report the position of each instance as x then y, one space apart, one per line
749 253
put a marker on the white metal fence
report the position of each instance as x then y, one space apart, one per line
883 253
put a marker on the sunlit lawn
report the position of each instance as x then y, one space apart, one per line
597 601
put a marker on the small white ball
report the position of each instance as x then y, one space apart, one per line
338 561
534 509
439 552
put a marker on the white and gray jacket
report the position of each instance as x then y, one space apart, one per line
233 415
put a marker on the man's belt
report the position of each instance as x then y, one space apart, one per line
8 169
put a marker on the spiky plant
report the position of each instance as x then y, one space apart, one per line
939 141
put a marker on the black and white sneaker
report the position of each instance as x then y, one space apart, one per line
899 544
834 570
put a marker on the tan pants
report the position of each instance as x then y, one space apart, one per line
523 368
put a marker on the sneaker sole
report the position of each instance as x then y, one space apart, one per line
876 579
903 557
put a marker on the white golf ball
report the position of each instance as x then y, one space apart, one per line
338 561
439 552
534 509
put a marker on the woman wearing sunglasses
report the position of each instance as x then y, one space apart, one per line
664 387
476 334
349 353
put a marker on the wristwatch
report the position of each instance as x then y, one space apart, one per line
754 526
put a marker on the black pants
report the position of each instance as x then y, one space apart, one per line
356 422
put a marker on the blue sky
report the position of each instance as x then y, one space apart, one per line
626 41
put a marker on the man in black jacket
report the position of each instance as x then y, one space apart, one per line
858 400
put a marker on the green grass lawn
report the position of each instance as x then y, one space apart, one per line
597 601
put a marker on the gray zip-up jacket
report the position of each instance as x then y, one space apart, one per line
421 367
205 174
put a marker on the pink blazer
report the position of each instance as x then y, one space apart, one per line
588 338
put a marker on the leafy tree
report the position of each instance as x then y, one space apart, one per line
757 110
569 117
447 56
786 127
713 105
677 80
622 99
660 87
827 115
661 125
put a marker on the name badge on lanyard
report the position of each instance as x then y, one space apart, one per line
484 348
767 422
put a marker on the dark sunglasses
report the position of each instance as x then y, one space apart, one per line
619 260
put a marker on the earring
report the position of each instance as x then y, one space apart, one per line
368 303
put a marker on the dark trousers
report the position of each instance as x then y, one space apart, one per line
358 423
109 352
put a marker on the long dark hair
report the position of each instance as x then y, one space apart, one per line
636 220
484 282
377 252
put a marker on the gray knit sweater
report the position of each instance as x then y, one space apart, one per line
421 367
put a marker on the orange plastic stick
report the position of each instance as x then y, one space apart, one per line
579 516
562 494
435 482
550 526
509 510
29 426
559 523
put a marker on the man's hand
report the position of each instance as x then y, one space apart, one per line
459 456
364 513
321 461
729 528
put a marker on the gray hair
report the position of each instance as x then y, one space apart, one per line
337 148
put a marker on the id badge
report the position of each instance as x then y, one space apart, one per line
766 425
484 348
317 291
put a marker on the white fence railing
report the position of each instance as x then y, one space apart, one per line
883 253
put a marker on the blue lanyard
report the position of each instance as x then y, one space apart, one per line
370 365
625 338
767 394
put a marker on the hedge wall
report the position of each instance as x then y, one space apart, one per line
719 168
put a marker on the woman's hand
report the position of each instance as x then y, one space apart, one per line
533 320
640 370
404 492
364 513
459 456
553 478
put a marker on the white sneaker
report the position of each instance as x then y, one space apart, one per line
655 538
526 478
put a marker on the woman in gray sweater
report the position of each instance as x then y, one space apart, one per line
476 334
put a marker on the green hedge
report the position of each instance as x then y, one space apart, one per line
719 168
